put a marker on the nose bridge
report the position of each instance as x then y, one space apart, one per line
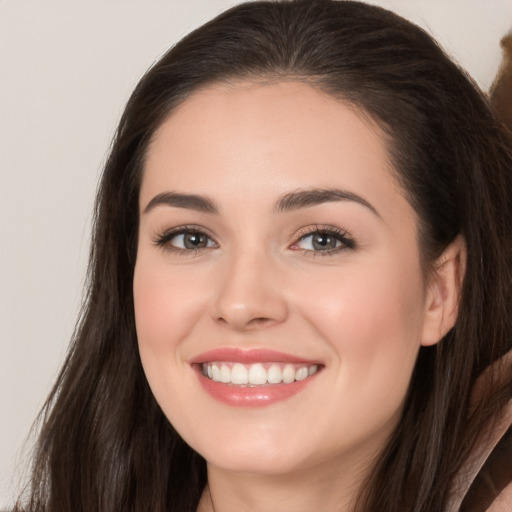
249 294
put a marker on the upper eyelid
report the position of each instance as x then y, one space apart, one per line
320 228
187 228
168 234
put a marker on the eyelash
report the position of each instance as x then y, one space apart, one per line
163 241
340 235
347 242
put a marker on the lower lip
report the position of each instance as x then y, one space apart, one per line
257 396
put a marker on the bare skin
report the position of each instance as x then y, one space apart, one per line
263 259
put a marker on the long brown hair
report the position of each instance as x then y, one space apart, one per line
105 445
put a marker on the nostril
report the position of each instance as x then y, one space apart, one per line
260 320
254 322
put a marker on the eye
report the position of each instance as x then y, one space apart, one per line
326 240
192 240
185 240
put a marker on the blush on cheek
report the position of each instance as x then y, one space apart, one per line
155 299
369 323
149 312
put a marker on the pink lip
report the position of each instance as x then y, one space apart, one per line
245 396
238 355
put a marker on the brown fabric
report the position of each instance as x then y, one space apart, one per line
484 483
478 470
501 90
495 475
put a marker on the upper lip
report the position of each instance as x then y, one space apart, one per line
248 356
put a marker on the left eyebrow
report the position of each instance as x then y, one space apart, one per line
313 197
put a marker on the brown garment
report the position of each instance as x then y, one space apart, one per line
501 89
484 483
491 488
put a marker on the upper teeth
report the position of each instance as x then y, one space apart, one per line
257 374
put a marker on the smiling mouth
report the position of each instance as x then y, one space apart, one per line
257 374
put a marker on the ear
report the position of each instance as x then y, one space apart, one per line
443 293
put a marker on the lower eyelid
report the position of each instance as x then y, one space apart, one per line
339 247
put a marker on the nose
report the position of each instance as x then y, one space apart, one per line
250 294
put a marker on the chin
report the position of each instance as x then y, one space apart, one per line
272 463
259 452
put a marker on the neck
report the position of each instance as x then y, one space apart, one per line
309 490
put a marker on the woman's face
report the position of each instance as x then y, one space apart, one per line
279 298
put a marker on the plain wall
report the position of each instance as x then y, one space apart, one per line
66 70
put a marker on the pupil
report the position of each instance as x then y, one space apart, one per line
194 240
324 241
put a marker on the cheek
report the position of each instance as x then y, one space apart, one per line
166 311
373 321
166 305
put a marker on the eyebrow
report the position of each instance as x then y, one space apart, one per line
289 202
313 197
189 201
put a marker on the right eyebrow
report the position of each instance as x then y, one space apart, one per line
190 201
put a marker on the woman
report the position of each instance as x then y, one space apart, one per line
299 281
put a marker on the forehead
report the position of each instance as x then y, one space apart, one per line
274 112
261 139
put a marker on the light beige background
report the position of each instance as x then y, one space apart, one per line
66 70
